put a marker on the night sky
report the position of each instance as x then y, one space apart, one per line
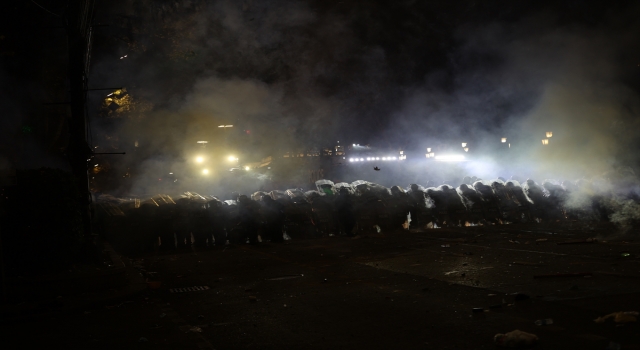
300 74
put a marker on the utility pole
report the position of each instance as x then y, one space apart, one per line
78 17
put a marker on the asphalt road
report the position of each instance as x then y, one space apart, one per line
400 290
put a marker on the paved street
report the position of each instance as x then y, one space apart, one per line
414 290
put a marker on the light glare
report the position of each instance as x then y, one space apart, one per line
451 158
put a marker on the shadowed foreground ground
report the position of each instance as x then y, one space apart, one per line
413 290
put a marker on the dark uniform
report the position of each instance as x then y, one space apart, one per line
249 213
217 222
399 207
345 212
418 206
473 202
273 219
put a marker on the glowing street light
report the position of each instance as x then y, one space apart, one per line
545 142
428 149
549 134
205 171
504 139
232 158
199 159
464 144
466 149
247 168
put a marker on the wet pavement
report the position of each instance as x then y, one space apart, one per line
414 290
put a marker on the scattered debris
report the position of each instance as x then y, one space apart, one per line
525 263
606 273
579 241
154 284
188 289
614 346
284 278
521 296
619 317
515 339
576 274
545 322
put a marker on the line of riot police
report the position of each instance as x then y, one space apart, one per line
360 207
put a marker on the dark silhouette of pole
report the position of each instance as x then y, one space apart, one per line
78 16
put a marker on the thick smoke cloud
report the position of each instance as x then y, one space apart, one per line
302 74
520 80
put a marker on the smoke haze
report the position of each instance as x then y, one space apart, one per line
299 75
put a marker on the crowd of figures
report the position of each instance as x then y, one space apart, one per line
361 206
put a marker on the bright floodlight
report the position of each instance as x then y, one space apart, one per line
368 158
464 144
205 171
199 159
429 149
504 139
247 168
377 158
545 142
451 158
232 158
351 159
466 149
394 158
549 134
